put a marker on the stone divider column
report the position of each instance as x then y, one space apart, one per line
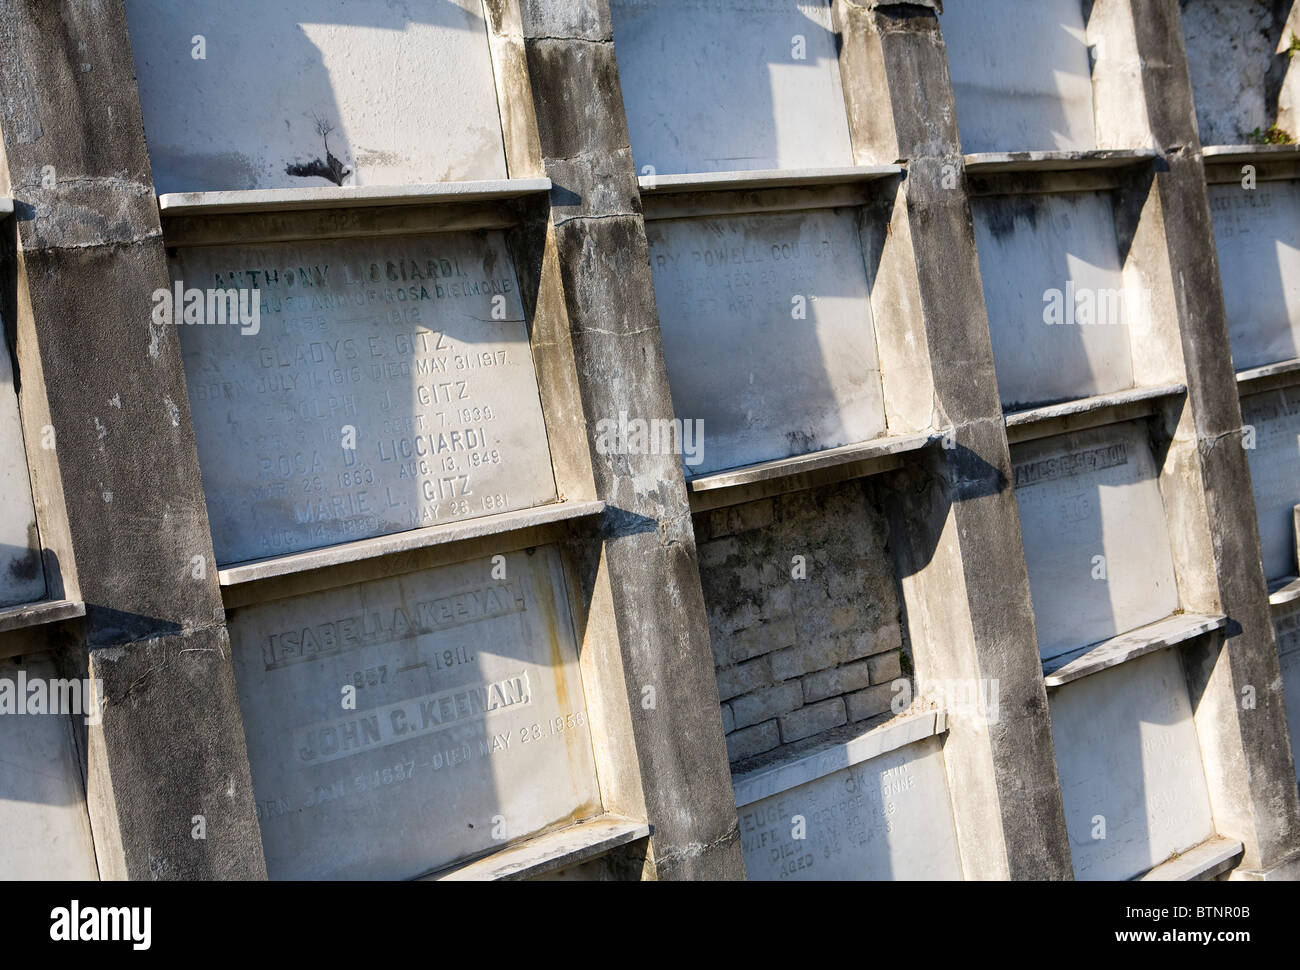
964 577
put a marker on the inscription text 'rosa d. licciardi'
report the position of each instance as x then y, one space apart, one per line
390 387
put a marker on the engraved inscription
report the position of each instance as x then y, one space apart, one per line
450 725
1275 474
767 333
391 387
887 818
1096 541
1257 233
1051 469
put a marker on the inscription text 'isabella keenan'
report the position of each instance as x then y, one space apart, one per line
296 645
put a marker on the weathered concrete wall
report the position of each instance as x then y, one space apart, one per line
1243 68
804 614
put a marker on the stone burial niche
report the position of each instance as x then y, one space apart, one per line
815 678
1060 171
793 382
1104 579
1246 79
272 95
396 545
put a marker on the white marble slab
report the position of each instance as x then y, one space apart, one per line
1257 232
887 819
470 729
408 88
1030 246
718 85
22 578
1128 758
1272 420
44 829
1088 494
397 338
766 384
1020 74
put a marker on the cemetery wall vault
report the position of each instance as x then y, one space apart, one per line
650 439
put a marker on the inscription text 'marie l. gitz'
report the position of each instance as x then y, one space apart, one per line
291 646
342 737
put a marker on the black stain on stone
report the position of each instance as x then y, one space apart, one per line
331 169
1005 211
26 568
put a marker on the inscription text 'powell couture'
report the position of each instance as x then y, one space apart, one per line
466 730
390 387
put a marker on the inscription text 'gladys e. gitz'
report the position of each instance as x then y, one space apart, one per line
343 737
211 306
376 626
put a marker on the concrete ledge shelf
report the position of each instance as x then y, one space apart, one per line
6 206
1246 154
1284 591
1204 861
812 470
995 163
768 178
29 615
1088 412
547 853
834 755
346 197
1093 659
438 535
1288 372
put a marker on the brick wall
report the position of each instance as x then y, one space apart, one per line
799 656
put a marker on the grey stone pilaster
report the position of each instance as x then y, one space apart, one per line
643 579
1235 680
136 549
963 568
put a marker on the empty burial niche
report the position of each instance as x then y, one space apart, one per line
1130 766
469 729
1027 88
1062 313
768 334
240 94
387 384
44 828
1271 423
22 577
1095 537
1257 232
1286 626
1245 76
887 818
804 616
728 86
